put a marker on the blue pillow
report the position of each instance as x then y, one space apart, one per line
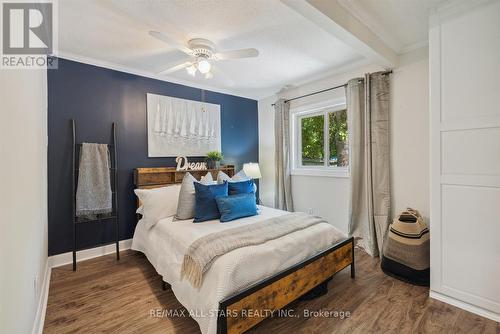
241 187
236 206
206 206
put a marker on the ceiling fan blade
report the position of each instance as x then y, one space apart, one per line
235 54
218 73
173 43
176 67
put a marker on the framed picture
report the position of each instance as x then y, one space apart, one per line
180 127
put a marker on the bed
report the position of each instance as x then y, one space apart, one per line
241 286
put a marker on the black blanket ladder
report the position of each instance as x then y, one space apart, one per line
107 218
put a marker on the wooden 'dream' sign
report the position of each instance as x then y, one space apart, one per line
184 165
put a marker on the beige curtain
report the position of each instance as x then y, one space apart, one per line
368 114
283 187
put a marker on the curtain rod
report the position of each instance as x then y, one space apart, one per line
324 90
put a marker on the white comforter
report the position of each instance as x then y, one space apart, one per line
166 243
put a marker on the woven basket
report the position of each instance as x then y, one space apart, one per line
406 249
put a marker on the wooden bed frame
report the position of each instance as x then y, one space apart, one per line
249 307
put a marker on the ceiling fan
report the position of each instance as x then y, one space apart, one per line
202 55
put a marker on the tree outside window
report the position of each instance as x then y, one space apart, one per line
339 146
315 148
313 151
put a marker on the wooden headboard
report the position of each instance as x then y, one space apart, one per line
155 177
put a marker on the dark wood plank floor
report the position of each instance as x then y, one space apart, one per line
105 296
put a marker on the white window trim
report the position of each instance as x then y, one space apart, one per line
295 140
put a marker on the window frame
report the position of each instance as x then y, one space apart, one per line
297 114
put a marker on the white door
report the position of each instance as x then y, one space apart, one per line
465 156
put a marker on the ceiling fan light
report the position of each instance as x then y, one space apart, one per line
204 66
191 70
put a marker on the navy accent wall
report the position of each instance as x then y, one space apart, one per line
95 97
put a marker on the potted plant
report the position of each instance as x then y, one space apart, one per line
213 159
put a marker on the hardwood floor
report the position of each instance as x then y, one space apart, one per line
105 296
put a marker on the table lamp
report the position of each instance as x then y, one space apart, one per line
252 171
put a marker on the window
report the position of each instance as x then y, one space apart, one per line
338 145
320 138
312 130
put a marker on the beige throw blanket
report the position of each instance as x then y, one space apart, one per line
201 253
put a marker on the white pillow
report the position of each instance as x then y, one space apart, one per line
158 203
238 177
207 179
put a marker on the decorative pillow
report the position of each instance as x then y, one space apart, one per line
187 200
236 206
241 187
206 206
240 176
207 179
158 203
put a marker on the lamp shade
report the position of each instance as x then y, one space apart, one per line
252 170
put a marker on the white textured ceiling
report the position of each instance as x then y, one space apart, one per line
401 24
292 49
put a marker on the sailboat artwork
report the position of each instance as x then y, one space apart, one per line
179 127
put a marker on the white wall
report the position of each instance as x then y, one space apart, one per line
465 157
410 133
23 197
329 196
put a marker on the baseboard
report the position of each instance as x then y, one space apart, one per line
66 258
465 306
42 301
